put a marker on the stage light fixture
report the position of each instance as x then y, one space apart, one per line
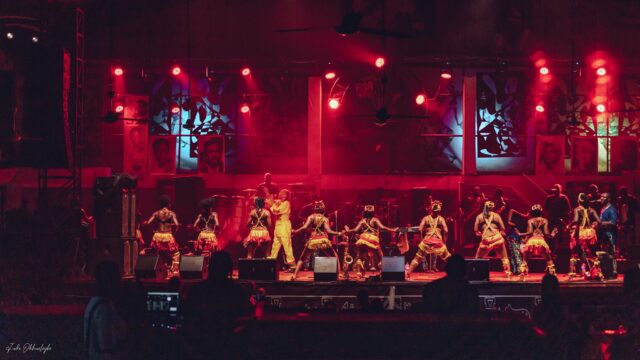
382 116
245 71
539 108
445 71
601 108
119 108
334 103
601 71
544 70
576 68
379 62
573 120
34 39
175 108
420 99
329 75
176 70
118 71
10 35
245 108
111 117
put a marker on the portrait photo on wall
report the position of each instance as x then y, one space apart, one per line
550 155
136 107
162 155
584 155
211 152
135 149
624 153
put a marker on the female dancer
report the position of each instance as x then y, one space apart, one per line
207 221
259 222
282 232
369 240
584 240
490 228
163 240
538 228
435 230
319 239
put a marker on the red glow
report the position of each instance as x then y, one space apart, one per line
380 62
601 108
329 75
118 71
119 108
544 70
420 99
601 71
175 109
245 71
334 103
176 70
245 108
539 108
445 75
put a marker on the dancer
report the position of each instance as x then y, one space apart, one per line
207 221
490 228
538 229
514 241
319 239
369 241
434 228
259 222
282 233
584 240
609 227
163 241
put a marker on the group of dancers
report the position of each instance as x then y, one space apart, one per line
489 227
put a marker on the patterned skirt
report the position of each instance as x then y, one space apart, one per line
491 241
319 241
257 236
588 236
369 240
207 241
536 245
164 242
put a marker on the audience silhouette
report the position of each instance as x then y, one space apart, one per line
451 294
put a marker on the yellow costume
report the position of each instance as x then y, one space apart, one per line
282 231
163 241
536 244
432 242
207 239
368 243
491 238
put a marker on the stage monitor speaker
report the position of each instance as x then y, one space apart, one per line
606 264
325 268
477 269
257 269
149 267
193 267
393 268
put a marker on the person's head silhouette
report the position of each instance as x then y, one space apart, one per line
455 267
220 266
550 288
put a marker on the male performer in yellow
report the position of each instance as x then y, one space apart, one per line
490 228
282 232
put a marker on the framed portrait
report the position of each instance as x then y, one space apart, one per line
162 155
584 155
550 155
211 152
135 149
624 153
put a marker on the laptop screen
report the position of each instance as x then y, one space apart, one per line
162 308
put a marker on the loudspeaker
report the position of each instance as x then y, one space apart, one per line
477 269
325 268
257 269
393 268
606 264
149 266
193 267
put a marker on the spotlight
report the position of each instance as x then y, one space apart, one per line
382 116
539 108
601 71
329 75
334 103
119 108
245 108
245 71
420 99
34 39
175 108
544 70
176 70
379 62
445 71
601 108
9 35
118 71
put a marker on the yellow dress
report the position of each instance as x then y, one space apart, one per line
259 233
282 231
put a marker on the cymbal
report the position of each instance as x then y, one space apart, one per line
248 190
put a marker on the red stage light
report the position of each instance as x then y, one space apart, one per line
334 103
175 109
539 108
176 70
119 108
245 108
445 75
379 62
601 71
118 71
420 99
329 75
544 70
246 71
601 108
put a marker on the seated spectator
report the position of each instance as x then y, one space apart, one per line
626 347
212 312
451 294
549 315
362 300
105 332
173 285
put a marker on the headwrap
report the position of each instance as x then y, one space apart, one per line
436 206
318 206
